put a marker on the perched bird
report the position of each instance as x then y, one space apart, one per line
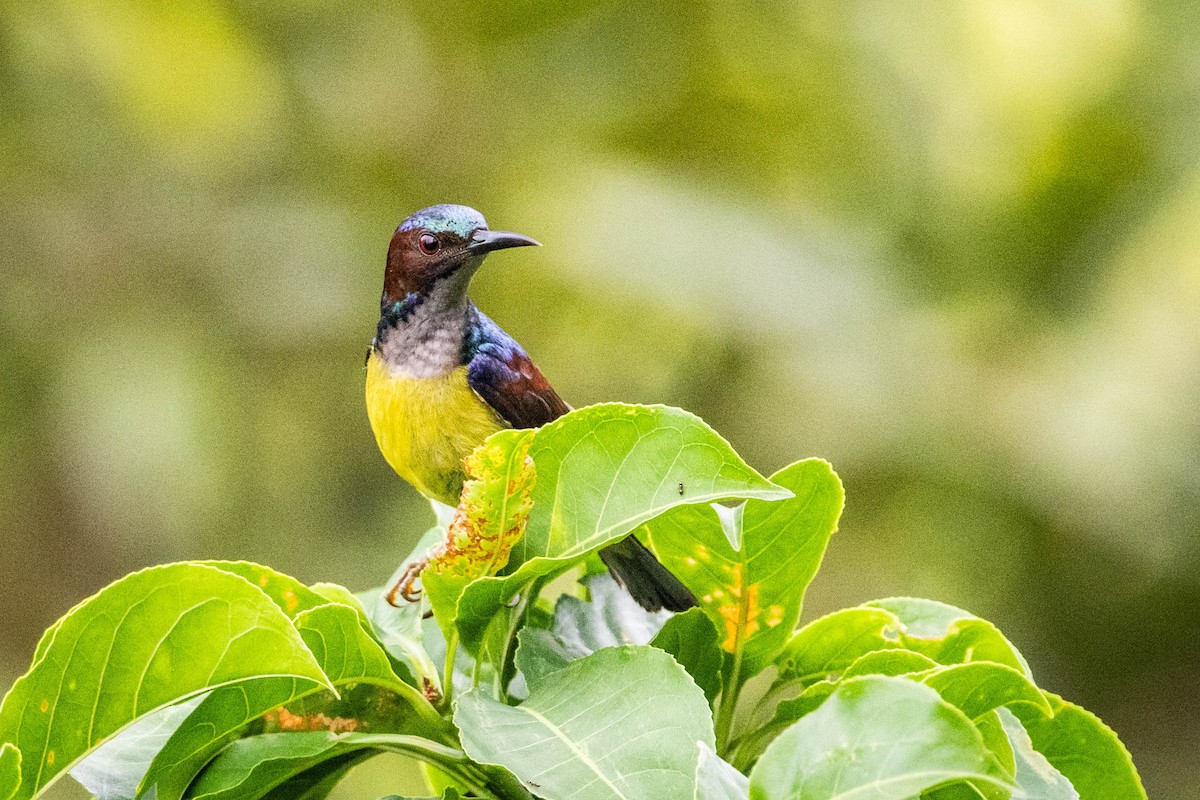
442 377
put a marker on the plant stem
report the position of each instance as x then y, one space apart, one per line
448 669
529 596
481 780
728 701
733 683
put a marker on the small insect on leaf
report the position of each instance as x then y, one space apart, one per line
681 490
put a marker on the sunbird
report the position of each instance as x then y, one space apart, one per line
442 377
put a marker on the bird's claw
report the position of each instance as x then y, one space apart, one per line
405 587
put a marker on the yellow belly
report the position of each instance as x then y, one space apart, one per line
427 426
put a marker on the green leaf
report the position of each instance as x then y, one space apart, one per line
10 770
604 470
974 688
950 635
318 782
539 653
491 516
830 644
889 662
751 745
251 768
344 650
693 641
982 686
336 593
620 723
879 737
601 472
1083 749
943 633
114 769
1036 779
754 594
219 719
716 779
399 629
346 653
289 594
579 628
996 739
174 631
609 618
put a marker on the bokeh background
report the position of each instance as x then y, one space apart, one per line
953 247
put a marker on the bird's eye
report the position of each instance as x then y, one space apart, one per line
428 244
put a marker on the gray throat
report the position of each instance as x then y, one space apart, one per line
427 341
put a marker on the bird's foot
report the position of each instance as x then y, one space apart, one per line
405 588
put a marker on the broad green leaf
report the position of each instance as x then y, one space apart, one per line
889 662
620 723
981 686
344 650
539 653
346 653
975 689
174 631
996 738
1036 779
960 791
604 470
945 634
693 641
608 618
399 629
882 738
950 635
601 472
581 627
496 500
317 783
289 594
754 594
451 794
716 779
219 719
751 744
1083 749
10 770
830 644
251 768
114 769
336 593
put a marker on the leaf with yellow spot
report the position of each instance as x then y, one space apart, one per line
174 631
753 594
496 500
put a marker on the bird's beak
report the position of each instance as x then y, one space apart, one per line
487 241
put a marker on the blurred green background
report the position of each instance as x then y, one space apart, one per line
953 247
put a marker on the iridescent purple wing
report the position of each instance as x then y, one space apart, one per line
503 375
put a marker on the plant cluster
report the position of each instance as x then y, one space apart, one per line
536 675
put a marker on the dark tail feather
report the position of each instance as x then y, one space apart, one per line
651 584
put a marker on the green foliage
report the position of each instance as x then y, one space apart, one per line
625 720
230 680
879 737
750 567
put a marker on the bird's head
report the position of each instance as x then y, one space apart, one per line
441 245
